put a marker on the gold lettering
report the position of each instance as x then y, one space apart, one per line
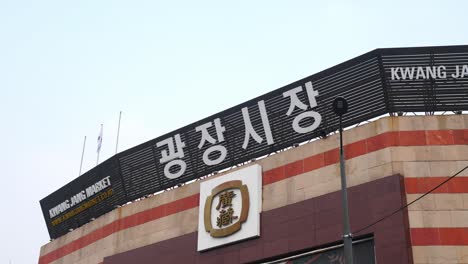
83 207
225 199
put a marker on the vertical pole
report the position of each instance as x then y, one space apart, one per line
347 237
118 132
99 145
82 155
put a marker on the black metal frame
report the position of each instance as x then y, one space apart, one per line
365 81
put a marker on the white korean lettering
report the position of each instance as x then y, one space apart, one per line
295 102
250 131
207 137
172 155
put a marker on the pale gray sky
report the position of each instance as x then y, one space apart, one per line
68 66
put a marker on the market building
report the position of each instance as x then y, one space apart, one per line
260 182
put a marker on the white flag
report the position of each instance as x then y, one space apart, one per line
99 140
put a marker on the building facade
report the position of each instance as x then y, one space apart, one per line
389 162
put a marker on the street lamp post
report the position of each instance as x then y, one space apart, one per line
340 107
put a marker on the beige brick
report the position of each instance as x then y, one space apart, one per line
465 200
426 203
275 195
356 165
163 235
436 219
326 173
447 168
378 158
416 169
423 153
432 123
384 124
280 159
90 253
381 171
58 261
430 153
358 133
397 167
304 151
301 187
459 218
407 123
415 218
435 254
454 152
462 254
302 181
357 177
153 237
449 201
189 220
97 258
453 122
430 168
403 154
331 142
268 163
295 194
97 249
431 219
323 188
444 122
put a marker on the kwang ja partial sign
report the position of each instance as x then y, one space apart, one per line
429 72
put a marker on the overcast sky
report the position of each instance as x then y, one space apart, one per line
68 66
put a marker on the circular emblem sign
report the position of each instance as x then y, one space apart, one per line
221 217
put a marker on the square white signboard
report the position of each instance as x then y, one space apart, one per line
230 207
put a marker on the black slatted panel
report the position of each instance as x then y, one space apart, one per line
427 94
365 81
108 168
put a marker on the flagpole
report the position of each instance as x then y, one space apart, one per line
99 145
118 132
82 155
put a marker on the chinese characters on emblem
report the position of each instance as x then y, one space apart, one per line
226 216
173 155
